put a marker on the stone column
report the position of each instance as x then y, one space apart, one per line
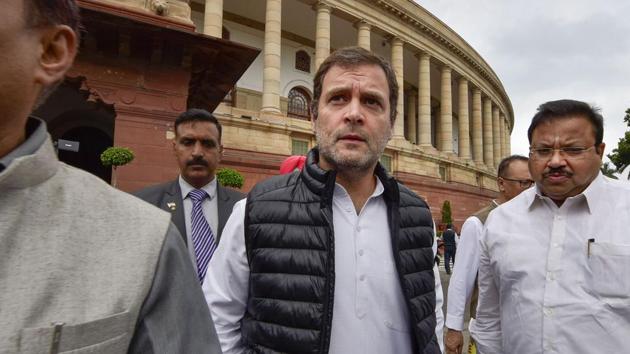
477 127
213 18
496 136
464 135
363 34
424 100
502 135
508 141
322 33
446 112
411 118
397 64
271 58
488 144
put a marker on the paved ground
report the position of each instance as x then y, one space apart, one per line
445 278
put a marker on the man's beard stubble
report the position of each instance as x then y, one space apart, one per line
350 164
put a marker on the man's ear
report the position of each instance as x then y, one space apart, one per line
500 184
58 47
600 150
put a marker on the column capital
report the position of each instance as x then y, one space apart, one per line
395 40
446 67
462 79
421 53
322 5
362 23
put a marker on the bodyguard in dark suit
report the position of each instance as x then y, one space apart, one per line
199 206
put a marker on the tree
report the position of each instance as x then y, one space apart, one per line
446 213
620 156
116 156
230 178
608 170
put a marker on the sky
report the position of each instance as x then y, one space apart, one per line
544 50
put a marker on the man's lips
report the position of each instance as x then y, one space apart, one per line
557 176
351 137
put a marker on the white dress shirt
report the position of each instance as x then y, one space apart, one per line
209 207
462 281
544 288
370 315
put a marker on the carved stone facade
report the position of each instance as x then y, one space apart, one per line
438 73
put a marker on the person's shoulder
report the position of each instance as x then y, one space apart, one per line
409 197
154 191
275 187
616 185
96 196
232 193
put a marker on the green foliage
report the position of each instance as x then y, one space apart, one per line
446 213
230 178
116 156
608 170
620 156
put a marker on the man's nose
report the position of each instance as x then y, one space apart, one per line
354 114
557 158
197 149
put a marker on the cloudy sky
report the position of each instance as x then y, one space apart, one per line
544 50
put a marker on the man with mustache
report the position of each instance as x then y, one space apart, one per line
553 273
199 206
337 257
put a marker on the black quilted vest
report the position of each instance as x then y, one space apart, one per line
290 249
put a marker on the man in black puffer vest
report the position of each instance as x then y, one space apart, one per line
338 257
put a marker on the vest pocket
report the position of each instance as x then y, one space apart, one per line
103 335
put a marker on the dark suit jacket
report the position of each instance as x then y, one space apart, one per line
168 196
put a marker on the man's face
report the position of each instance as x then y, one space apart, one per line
353 124
19 54
198 151
562 176
515 179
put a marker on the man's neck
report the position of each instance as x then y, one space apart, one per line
501 199
360 186
10 141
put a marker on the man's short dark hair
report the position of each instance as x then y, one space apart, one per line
506 162
568 108
197 115
52 13
352 57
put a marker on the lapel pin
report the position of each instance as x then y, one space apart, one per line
171 205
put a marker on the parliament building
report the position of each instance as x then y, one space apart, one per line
252 62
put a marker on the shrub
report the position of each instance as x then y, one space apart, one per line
116 156
230 178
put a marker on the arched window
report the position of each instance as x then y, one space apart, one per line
303 61
299 102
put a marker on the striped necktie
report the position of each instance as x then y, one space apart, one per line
202 236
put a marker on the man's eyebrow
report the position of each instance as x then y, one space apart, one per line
337 89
